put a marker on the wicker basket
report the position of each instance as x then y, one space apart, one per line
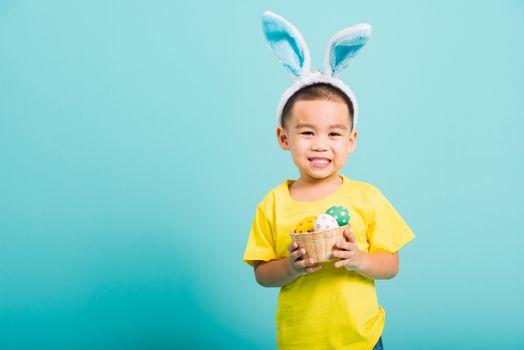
319 245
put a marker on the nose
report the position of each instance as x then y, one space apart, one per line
319 145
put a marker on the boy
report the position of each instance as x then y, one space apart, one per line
331 305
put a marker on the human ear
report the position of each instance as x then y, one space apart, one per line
282 138
353 135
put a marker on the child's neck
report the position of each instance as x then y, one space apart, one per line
310 190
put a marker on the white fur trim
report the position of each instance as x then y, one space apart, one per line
315 78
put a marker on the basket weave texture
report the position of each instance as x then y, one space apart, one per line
319 245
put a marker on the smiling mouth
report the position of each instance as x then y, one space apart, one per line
319 162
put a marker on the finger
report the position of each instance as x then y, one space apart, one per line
315 268
310 261
341 263
345 245
292 246
345 235
301 264
350 237
342 254
298 253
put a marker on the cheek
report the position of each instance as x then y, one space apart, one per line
342 153
342 147
300 145
299 150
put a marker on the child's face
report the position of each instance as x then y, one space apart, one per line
319 137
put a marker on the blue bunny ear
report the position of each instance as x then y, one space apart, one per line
343 46
287 43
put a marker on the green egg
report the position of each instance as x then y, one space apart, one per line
340 213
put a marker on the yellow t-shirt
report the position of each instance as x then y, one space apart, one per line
331 308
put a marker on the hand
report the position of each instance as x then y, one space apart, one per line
298 265
348 252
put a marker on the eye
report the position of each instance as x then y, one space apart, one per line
335 134
307 133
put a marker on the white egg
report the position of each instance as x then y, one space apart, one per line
325 222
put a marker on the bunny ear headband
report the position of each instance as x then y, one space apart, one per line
292 51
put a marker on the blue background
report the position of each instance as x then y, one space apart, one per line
137 137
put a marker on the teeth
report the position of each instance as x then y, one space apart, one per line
320 160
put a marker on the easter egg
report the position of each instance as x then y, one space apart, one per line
340 213
306 225
325 222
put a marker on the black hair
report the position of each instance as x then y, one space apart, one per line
318 91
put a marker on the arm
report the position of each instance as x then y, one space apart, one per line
278 273
379 265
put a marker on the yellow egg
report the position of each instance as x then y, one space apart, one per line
306 225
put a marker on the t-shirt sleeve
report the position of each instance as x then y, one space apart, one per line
387 231
261 242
